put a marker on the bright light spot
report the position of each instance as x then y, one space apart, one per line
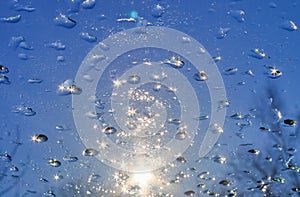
143 179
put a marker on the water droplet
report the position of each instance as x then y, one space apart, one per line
57 45
34 80
26 7
290 122
222 33
23 56
175 121
157 11
220 159
272 5
3 69
103 46
238 15
88 37
225 182
70 158
64 21
49 193
109 130
4 79
181 159
68 87
89 152
258 53
14 168
217 58
95 178
25 45
273 72
39 138
24 110
200 76
236 116
216 128
289 25
11 19
15 41
254 151
190 193
5 157
231 71
175 62
181 135
134 79
54 163
88 4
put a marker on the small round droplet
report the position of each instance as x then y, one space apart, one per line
109 130
54 163
39 138
289 25
200 76
89 152
181 159
238 15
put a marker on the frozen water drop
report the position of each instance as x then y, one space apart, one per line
54 163
25 46
190 193
11 19
70 158
88 37
4 79
222 33
157 11
39 138
3 69
258 53
88 4
200 76
56 45
34 80
64 21
289 25
238 15
231 71
89 152
109 130
175 62
5 157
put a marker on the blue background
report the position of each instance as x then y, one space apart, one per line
201 20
